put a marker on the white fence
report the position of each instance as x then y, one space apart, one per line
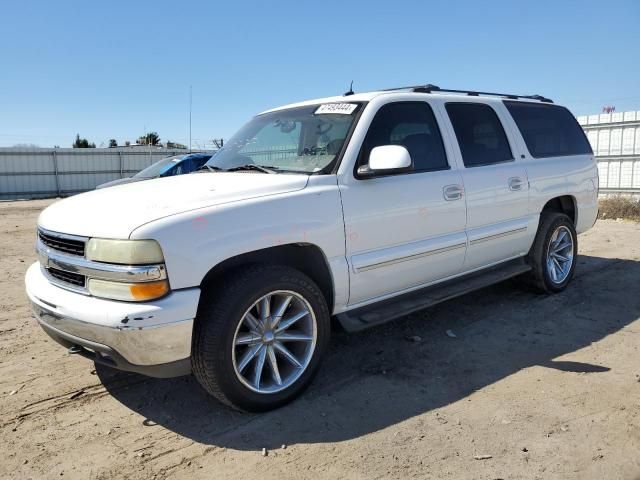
54 172
615 140
619 175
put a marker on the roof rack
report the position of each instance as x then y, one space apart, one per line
428 88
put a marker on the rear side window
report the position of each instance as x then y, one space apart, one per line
480 134
411 125
548 130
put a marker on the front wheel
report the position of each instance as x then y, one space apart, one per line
553 254
259 339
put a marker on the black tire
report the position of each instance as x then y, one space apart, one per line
540 277
220 311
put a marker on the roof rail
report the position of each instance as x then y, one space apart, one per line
428 88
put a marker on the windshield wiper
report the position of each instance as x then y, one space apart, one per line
208 168
253 166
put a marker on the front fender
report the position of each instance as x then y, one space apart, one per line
196 241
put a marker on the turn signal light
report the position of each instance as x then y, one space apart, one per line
149 290
129 292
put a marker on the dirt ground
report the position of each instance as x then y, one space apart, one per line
547 386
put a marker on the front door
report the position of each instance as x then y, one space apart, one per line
401 231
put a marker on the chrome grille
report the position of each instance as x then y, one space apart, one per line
67 277
62 243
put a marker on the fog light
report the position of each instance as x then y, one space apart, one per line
131 292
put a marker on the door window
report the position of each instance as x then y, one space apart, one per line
480 134
411 125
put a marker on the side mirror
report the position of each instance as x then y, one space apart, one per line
385 160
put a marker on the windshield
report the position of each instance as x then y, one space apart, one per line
304 139
157 168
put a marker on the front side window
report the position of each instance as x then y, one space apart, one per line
548 130
480 134
182 167
301 140
411 125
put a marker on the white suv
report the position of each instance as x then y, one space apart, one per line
363 207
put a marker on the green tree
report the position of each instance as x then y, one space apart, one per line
113 143
82 143
151 138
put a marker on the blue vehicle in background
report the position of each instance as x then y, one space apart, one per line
167 167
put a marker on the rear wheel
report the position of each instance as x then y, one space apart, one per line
259 339
553 254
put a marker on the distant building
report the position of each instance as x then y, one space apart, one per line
615 139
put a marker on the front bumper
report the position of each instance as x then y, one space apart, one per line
152 338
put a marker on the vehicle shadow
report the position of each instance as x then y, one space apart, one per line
377 378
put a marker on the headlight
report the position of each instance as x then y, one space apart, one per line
143 254
124 252
129 292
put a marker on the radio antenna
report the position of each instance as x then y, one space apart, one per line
350 92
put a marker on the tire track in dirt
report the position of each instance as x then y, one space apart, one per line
73 399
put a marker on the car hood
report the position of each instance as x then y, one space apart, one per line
116 211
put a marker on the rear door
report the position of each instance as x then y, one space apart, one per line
495 183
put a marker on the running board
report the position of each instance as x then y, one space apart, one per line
387 310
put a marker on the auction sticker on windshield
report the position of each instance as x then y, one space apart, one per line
341 108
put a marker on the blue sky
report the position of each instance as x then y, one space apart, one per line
115 69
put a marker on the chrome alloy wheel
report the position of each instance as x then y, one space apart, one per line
560 254
274 342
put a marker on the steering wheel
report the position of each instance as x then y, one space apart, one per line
312 150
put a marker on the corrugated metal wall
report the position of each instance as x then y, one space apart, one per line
51 172
615 140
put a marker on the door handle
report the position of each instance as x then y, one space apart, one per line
516 183
452 192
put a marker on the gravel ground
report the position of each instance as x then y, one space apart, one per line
530 387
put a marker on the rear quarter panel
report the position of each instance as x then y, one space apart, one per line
576 176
